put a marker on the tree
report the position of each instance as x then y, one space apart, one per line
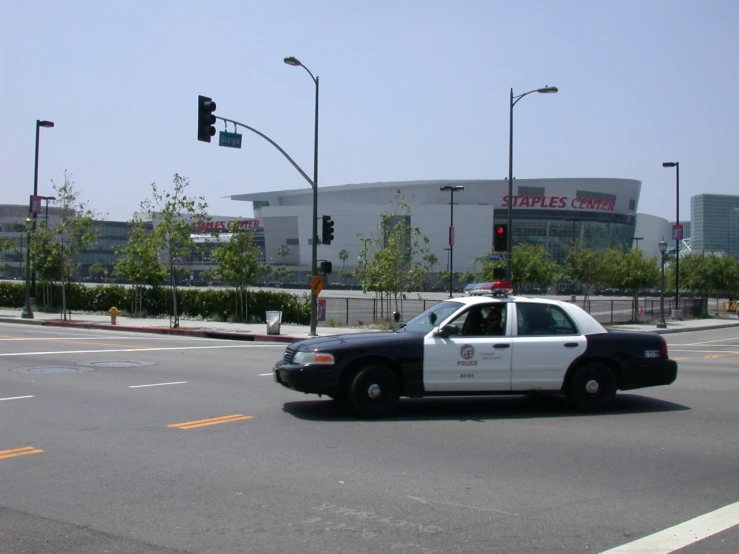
589 267
238 260
532 264
344 255
138 262
75 232
395 267
346 274
283 251
632 271
97 271
175 214
708 274
282 273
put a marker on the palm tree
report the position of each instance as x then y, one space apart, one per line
344 255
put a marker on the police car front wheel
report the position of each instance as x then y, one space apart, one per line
373 392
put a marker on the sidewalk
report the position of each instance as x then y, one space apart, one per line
288 333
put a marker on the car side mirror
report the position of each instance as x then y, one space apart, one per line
447 331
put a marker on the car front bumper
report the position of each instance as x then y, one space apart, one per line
308 379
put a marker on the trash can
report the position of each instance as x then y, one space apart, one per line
273 323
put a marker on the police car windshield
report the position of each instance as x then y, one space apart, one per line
425 321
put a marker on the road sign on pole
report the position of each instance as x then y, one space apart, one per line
497 257
316 284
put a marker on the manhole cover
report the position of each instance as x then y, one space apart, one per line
51 370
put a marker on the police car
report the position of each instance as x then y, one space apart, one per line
544 345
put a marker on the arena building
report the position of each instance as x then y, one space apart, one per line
597 213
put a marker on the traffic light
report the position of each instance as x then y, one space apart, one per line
326 267
206 119
500 238
327 229
499 273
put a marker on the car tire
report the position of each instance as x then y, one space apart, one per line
373 392
592 388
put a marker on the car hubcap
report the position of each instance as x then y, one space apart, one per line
374 392
592 386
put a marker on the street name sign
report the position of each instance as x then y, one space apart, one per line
497 257
231 140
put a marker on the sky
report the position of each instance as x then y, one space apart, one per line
409 90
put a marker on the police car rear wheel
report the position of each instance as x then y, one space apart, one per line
373 392
592 388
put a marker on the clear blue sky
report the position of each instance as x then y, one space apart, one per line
414 89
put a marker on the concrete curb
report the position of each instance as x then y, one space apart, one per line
202 333
707 328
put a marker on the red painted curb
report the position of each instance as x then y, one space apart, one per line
203 333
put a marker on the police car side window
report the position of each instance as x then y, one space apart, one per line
543 320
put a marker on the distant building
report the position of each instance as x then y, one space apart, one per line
715 223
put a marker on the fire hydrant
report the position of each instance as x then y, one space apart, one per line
113 314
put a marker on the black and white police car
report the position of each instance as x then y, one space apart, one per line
545 346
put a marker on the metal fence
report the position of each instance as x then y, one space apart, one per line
363 311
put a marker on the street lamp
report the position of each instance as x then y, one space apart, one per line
662 324
47 125
513 102
676 165
451 190
27 312
292 60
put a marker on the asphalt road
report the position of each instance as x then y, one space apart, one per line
116 442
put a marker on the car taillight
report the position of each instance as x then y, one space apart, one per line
663 348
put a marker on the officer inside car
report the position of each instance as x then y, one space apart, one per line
493 323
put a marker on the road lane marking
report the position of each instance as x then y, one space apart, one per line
427 501
265 374
709 342
15 452
163 348
714 356
211 421
699 351
15 398
683 534
156 385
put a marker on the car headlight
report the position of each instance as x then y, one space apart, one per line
313 358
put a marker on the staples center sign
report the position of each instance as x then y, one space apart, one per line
249 224
562 203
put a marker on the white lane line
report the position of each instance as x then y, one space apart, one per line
157 385
703 351
264 374
427 501
15 397
140 349
684 534
707 342
58 338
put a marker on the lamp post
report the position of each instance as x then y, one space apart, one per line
513 102
676 165
662 324
27 312
451 190
292 60
46 124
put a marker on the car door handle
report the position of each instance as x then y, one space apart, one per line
501 346
571 345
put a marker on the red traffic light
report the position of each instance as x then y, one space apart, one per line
500 230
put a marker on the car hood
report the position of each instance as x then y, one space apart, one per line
352 340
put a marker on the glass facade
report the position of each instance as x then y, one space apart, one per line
558 232
715 223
